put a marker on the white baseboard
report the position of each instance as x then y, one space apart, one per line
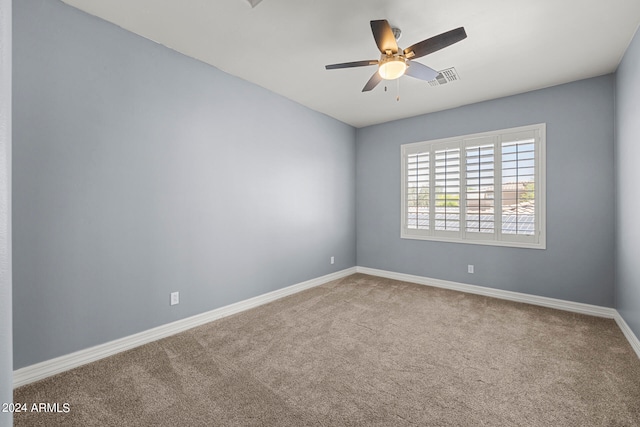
45 369
628 333
576 307
60 364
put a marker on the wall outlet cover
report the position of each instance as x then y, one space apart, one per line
175 298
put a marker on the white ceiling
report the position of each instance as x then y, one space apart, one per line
513 46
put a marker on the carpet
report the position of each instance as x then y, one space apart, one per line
361 351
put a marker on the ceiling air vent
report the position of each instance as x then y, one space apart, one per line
445 76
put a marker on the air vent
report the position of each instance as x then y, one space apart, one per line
445 76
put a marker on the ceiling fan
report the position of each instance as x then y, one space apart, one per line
393 62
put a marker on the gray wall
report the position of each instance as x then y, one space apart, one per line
139 171
627 178
6 343
578 262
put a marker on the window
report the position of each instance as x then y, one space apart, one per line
485 188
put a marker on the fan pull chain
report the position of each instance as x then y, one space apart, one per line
398 90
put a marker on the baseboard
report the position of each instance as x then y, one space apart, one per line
628 333
60 364
576 307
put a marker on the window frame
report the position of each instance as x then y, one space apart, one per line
496 138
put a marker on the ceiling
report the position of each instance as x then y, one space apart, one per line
513 46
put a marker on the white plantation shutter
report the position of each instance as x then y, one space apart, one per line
417 191
479 188
485 188
518 184
447 189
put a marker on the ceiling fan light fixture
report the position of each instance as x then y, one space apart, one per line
392 67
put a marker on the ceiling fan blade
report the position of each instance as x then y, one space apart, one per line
425 47
373 82
420 71
351 64
383 34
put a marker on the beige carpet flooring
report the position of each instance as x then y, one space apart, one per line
362 351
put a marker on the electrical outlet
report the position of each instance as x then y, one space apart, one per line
175 298
470 268
333 260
